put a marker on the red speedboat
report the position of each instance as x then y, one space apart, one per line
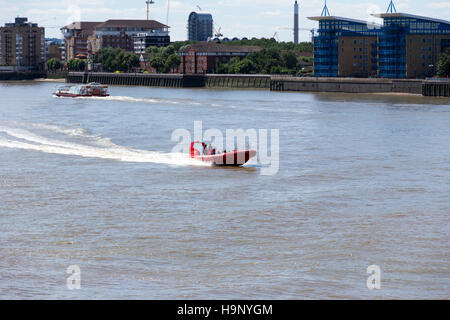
234 158
85 90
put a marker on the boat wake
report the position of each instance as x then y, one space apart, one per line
146 100
77 141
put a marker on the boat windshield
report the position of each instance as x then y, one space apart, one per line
75 90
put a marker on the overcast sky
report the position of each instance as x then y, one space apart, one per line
237 18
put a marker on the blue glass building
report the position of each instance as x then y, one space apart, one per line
405 46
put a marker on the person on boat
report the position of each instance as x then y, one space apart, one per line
210 148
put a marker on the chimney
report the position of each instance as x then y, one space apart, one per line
296 23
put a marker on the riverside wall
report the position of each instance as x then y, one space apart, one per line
14 76
267 82
347 85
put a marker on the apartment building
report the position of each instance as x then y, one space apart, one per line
22 46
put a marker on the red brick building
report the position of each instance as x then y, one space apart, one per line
202 57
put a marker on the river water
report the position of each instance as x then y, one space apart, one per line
362 180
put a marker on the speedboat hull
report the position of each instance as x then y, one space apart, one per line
229 159
70 95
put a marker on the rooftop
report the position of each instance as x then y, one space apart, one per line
202 15
86 26
145 24
407 15
217 47
335 18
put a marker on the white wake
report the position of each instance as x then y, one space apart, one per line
87 145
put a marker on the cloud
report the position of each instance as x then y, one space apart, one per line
439 5
249 18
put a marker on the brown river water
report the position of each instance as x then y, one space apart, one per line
362 180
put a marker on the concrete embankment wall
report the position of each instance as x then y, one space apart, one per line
238 81
436 88
346 85
21 75
173 80
274 83
137 79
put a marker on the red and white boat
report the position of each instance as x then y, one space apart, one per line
234 158
85 90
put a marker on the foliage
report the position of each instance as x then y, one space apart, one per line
173 61
266 61
274 58
443 68
273 44
54 64
165 58
76 65
116 60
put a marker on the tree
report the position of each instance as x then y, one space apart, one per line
152 50
116 60
54 64
246 66
443 68
158 62
76 65
289 59
173 61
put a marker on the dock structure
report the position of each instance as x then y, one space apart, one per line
346 85
238 81
432 88
429 88
138 79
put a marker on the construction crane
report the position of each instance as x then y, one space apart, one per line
218 33
168 11
275 36
149 2
313 31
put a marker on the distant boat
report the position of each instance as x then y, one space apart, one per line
234 158
84 90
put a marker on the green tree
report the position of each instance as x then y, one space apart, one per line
54 64
152 50
76 65
246 66
173 61
289 59
443 68
158 62
116 60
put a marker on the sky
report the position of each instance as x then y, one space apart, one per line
236 18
